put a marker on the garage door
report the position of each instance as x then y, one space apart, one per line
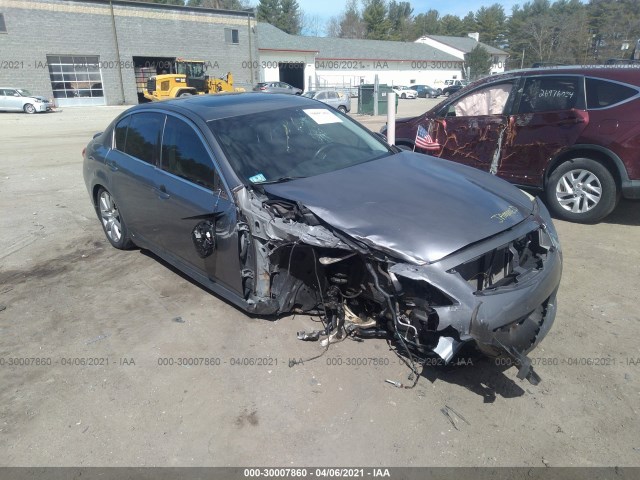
76 80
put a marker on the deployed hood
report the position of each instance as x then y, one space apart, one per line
412 206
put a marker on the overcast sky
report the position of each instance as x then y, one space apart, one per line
326 9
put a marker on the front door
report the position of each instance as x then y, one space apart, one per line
195 208
471 129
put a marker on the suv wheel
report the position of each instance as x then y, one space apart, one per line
28 108
581 190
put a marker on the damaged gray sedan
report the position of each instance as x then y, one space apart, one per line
280 204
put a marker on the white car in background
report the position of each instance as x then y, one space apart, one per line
405 92
21 100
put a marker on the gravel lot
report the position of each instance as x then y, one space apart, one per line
68 296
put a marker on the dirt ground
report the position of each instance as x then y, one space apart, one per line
93 331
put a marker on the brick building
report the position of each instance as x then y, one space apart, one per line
68 49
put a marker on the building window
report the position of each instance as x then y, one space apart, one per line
3 26
231 36
76 77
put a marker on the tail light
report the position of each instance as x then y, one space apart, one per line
84 150
263 88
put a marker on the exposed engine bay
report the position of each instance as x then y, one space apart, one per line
499 293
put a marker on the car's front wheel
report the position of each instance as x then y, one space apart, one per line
403 96
342 108
582 190
112 222
28 108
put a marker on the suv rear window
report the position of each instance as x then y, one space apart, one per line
602 94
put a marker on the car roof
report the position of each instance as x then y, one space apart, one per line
225 105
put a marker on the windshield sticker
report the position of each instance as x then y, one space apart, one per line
257 178
322 116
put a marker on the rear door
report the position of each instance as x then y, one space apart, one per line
132 167
198 216
548 116
470 129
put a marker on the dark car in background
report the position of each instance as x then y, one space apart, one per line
425 91
572 132
277 87
279 203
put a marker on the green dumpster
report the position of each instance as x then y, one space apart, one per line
366 99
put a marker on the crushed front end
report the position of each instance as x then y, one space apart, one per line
499 292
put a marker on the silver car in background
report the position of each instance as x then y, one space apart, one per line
20 100
277 87
337 100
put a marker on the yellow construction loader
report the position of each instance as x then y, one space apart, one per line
187 78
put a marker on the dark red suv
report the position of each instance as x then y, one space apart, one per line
572 131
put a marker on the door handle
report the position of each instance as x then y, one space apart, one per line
112 165
571 121
161 192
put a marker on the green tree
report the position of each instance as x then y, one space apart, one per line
349 24
374 15
426 24
284 14
491 24
290 18
452 25
269 11
469 23
478 62
400 19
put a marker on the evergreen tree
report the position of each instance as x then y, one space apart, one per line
491 24
478 62
375 18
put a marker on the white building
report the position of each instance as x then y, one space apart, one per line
316 62
460 46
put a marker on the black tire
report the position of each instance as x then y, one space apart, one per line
581 190
342 108
403 96
28 108
111 220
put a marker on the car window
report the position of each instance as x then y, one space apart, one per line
184 154
321 96
490 100
601 93
544 94
294 142
332 95
121 133
143 135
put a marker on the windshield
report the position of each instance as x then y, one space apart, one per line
24 93
309 94
294 142
190 69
